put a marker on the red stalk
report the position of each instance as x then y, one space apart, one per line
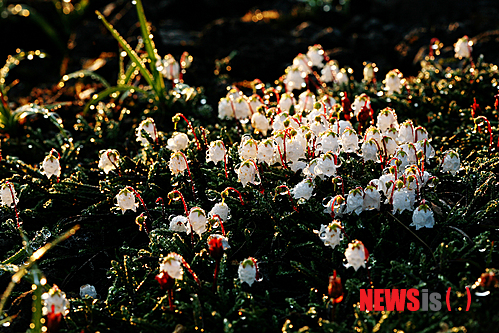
289 195
226 192
190 127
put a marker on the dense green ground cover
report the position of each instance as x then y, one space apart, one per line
453 99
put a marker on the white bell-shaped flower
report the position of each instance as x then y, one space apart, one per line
172 265
342 77
328 141
303 190
421 133
125 200
255 102
8 195
356 255
349 141
306 101
386 118
373 133
248 148
88 290
294 78
177 163
401 198
330 71
422 217
451 162
389 145
336 206
286 101
303 63
327 165
216 152
108 160
360 102
406 132
355 201
372 198
370 150
393 82
340 126
51 166
260 123
198 220
247 173
315 55
149 127
221 209
179 141
225 108
180 223
247 271
331 234
463 48
54 302
426 148
266 152
169 67
241 108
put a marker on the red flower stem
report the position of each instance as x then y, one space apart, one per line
170 300
215 275
143 205
238 193
15 205
181 198
221 223
345 233
160 199
186 265
114 164
191 128
190 175
225 160
280 155
289 195
489 129
380 155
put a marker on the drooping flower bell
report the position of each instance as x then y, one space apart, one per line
180 223
248 148
386 118
126 200
355 201
451 162
266 151
303 190
356 255
260 123
330 71
149 127
401 198
423 217
169 67
197 218
8 195
55 306
51 166
172 265
294 79
179 141
221 209
108 160
216 152
349 141
393 82
463 48
372 198
315 54
248 173
248 271
370 150
177 163
331 234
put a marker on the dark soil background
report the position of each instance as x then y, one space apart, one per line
391 33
